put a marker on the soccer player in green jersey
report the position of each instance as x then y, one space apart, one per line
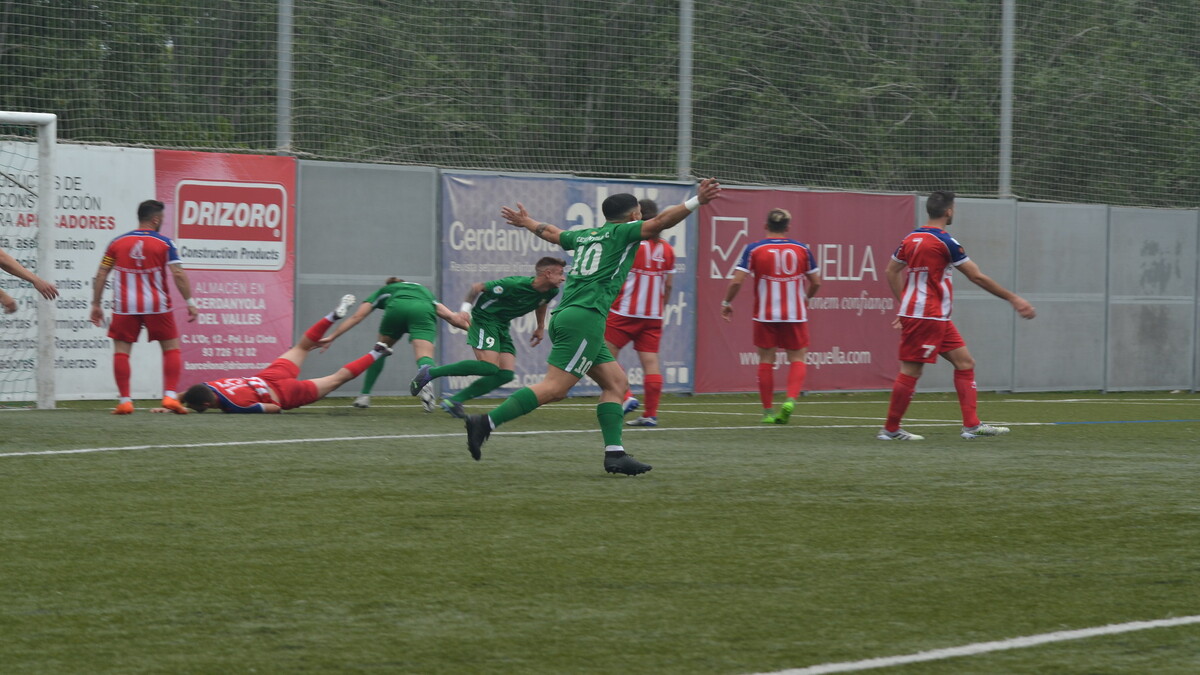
490 306
603 256
408 307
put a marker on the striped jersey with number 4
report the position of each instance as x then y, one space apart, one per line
139 261
603 256
779 267
642 295
507 298
931 255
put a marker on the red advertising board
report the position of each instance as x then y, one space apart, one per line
233 219
852 236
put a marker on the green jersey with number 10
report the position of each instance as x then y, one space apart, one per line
603 256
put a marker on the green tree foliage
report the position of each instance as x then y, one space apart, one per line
866 95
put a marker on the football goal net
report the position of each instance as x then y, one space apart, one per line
27 142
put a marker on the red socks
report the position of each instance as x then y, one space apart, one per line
796 373
766 384
902 393
359 366
964 385
317 330
121 371
653 386
172 366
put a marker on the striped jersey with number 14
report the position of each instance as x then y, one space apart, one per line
930 254
642 294
779 267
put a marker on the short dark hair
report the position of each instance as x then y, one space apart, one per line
938 202
197 397
392 280
549 261
778 220
618 205
649 208
149 208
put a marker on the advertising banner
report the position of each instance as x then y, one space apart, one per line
233 219
477 245
97 191
852 237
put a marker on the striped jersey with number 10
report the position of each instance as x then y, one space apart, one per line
779 267
930 254
642 294
139 261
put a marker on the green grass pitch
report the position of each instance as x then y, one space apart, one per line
331 539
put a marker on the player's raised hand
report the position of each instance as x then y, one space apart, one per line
519 217
709 190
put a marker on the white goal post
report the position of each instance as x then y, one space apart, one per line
34 175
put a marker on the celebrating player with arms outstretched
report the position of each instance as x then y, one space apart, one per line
920 276
603 256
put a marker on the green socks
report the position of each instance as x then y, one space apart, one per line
522 402
612 422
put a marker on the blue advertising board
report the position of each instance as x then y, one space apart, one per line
477 245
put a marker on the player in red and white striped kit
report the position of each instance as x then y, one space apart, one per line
780 267
277 388
140 263
637 316
920 275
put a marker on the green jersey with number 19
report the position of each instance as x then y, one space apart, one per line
603 257
506 299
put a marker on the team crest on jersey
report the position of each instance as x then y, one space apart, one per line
497 290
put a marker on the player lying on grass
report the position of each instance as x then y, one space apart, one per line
276 388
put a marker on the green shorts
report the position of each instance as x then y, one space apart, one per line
418 318
490 336
578 337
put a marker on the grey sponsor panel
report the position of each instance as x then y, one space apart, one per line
1061 268
1063 348
359 224
1152 282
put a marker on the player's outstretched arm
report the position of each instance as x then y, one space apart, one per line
10 305
521 218
12 266
451 317
977 277
349 322
671 216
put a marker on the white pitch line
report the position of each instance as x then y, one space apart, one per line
985 647
462 435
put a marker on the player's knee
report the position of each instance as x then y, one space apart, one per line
505 376
488 369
